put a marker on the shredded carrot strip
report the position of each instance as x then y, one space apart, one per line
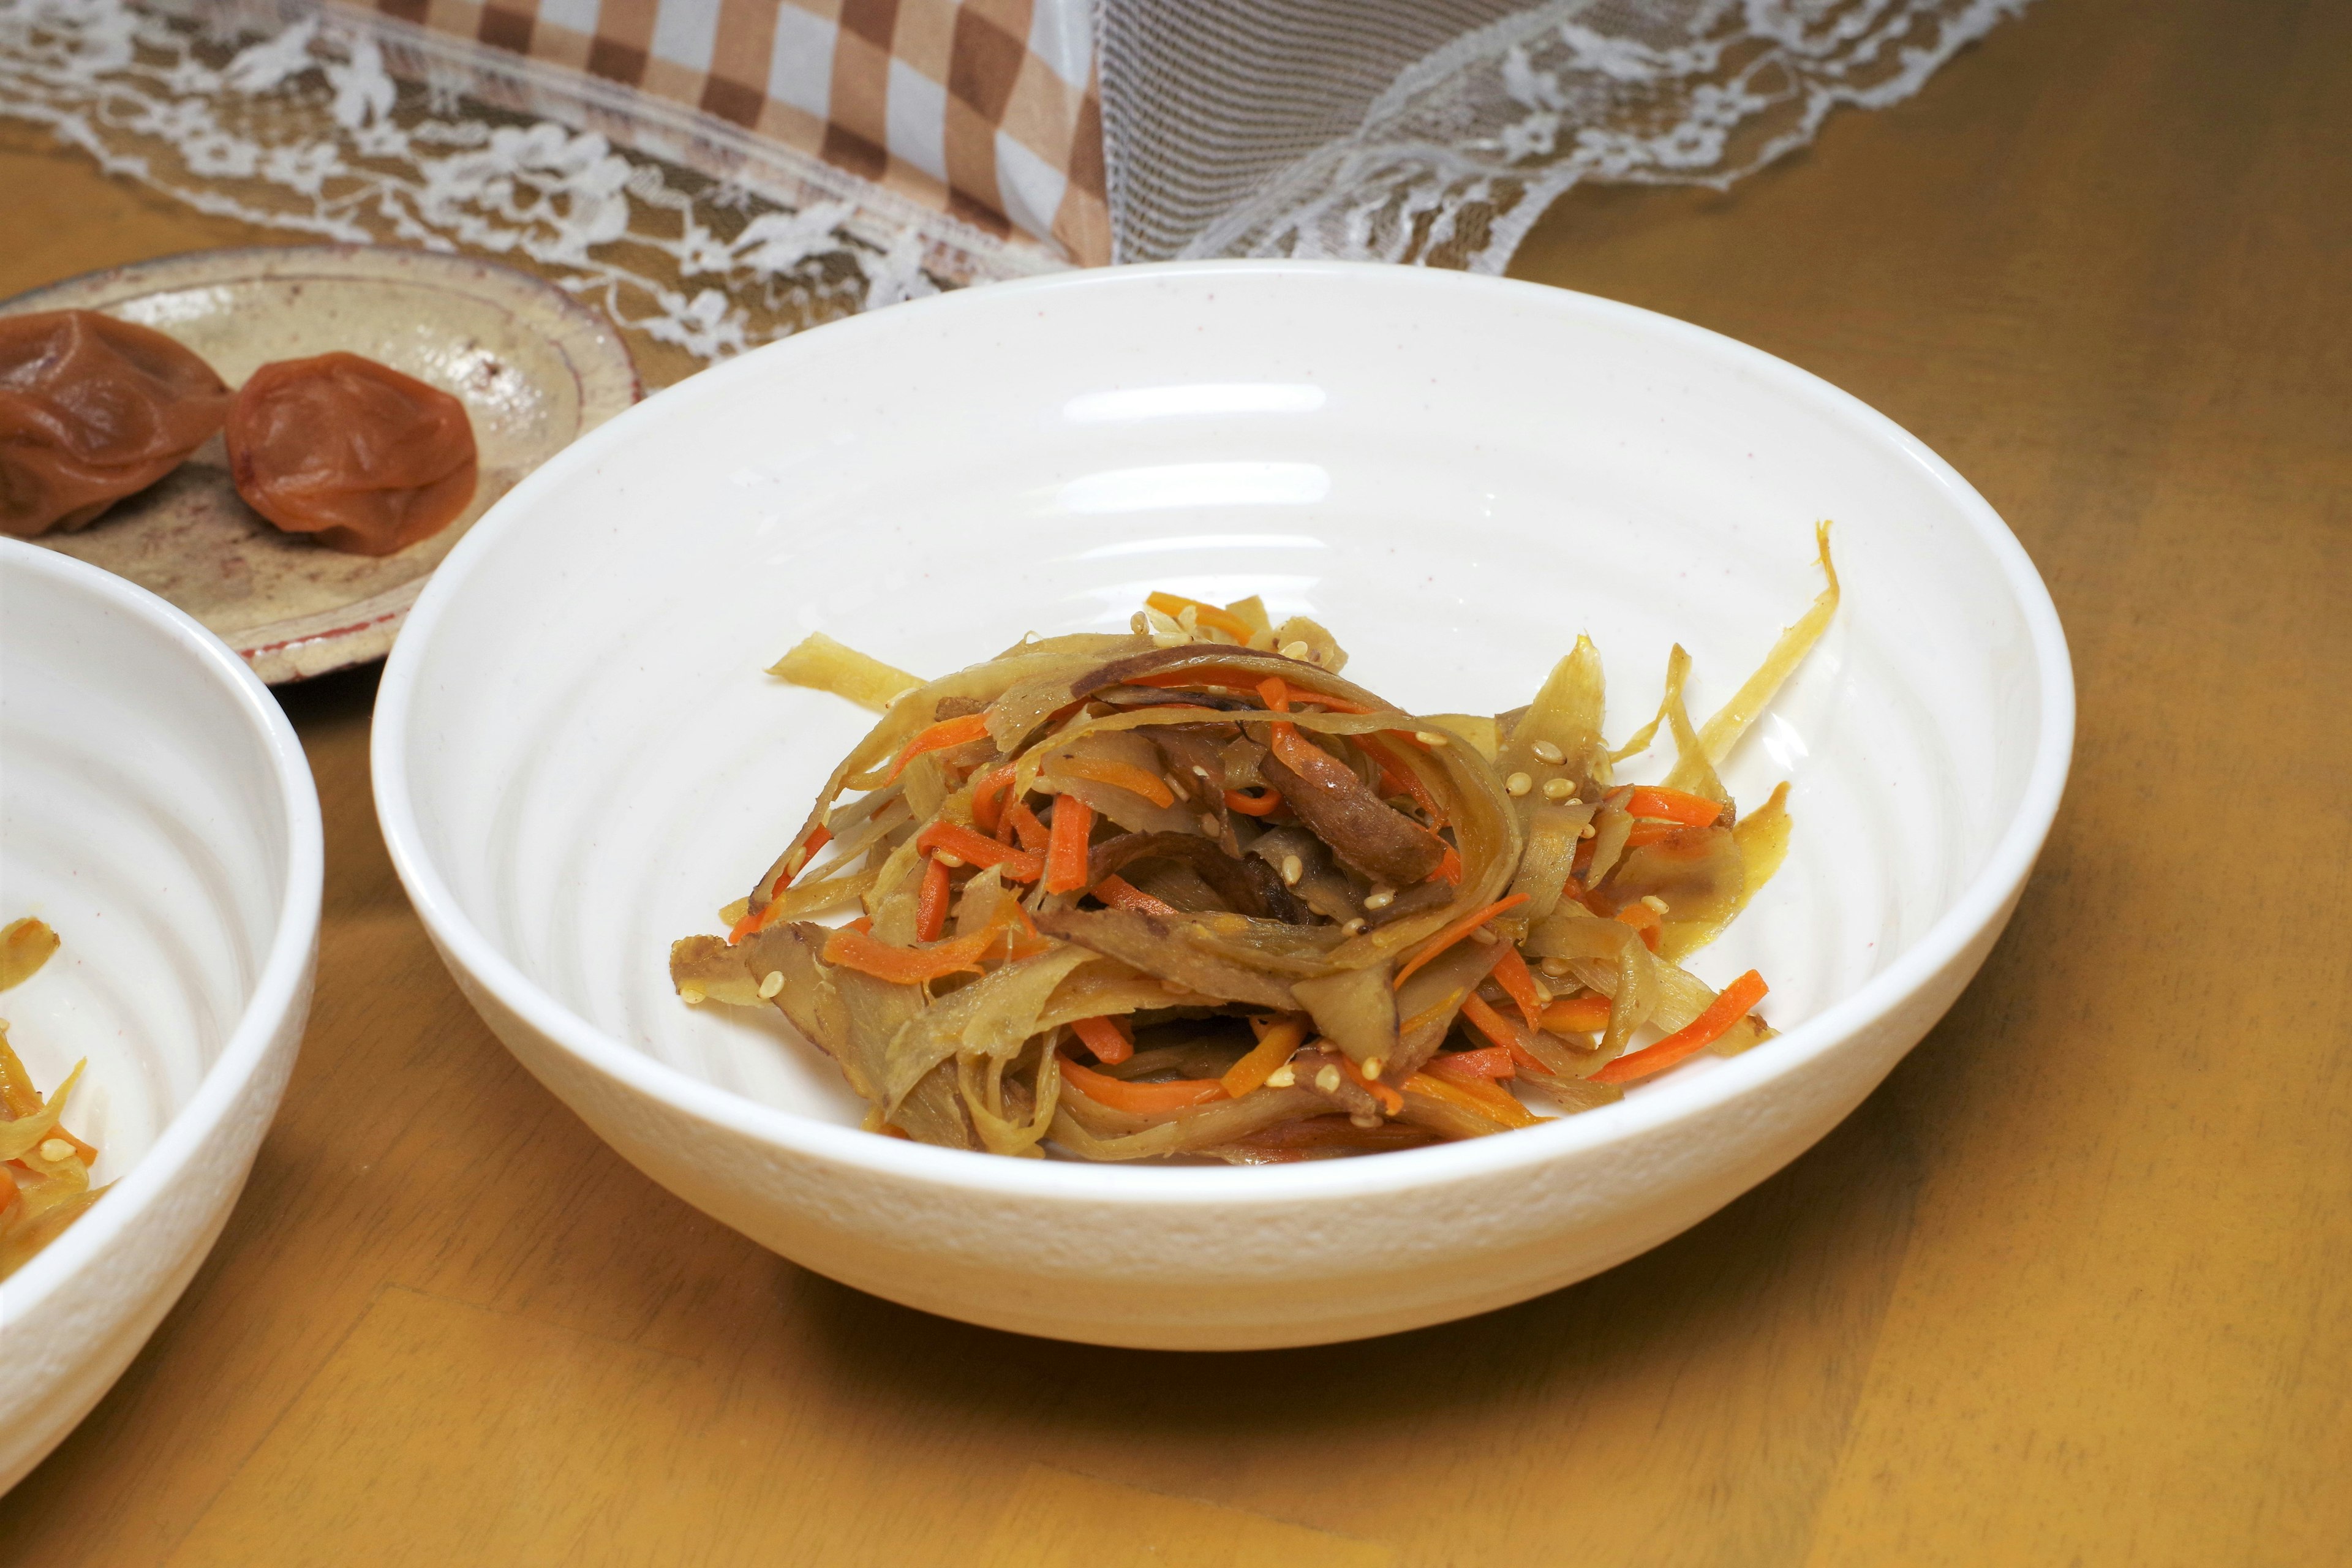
1141 1099
817 839
853 949
1388 1100
1511 974
1449 868
1642 919
1497 1028
1455 933
1026 827
1734 1002
931 902
862 923
1264 805
1645 832
1495 1104
1121 894
1106 1038
1119 775
1173 607
1065 847
1578 1015
938 738
1276 692
1407 782
1015 865
1674 805
1274 1048
985 809
1466 1067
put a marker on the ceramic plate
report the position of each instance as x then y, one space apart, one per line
534 367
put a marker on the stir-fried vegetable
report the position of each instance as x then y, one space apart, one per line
1189 893
44 1168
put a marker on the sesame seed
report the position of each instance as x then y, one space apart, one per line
56 1149
1353 927
1200 772
1554 967
1282 1076
1656 903
1587 831
1372 1066
773 984
1518 784
1546 751
1209 824
1293 867
1543 992
1328 1080
1294 650
1137 624
1485 937
1428 738
1175 786
1380 897
953 862
691 994
1558 789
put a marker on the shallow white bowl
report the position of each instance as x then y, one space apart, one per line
577 757
156 809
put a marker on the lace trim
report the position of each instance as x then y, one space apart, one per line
361 127
1458 158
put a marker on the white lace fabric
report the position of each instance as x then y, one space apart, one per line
358 128
1428 131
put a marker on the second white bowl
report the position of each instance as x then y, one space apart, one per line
156 809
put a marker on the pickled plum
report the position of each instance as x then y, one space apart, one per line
368 459
92 409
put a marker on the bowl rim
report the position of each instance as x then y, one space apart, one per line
283 977
1979 905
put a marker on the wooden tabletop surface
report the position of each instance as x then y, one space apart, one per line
2075 1285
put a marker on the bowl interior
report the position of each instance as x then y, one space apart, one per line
1457 476
143 815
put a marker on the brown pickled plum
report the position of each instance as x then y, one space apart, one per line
92 409
365 457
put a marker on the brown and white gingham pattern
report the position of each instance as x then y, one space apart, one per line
987 108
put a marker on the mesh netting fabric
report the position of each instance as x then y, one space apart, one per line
1437 132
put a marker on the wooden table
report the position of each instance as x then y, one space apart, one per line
2072 1288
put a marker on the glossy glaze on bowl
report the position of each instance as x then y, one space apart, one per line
1457 475
156 809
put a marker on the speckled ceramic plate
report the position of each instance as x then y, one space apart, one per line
534 367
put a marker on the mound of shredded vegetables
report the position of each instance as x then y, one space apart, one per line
1188 892
44 1168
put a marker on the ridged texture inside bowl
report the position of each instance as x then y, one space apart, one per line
597 763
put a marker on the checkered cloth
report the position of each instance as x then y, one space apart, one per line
990 110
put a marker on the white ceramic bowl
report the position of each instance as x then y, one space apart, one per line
577 757
156 809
